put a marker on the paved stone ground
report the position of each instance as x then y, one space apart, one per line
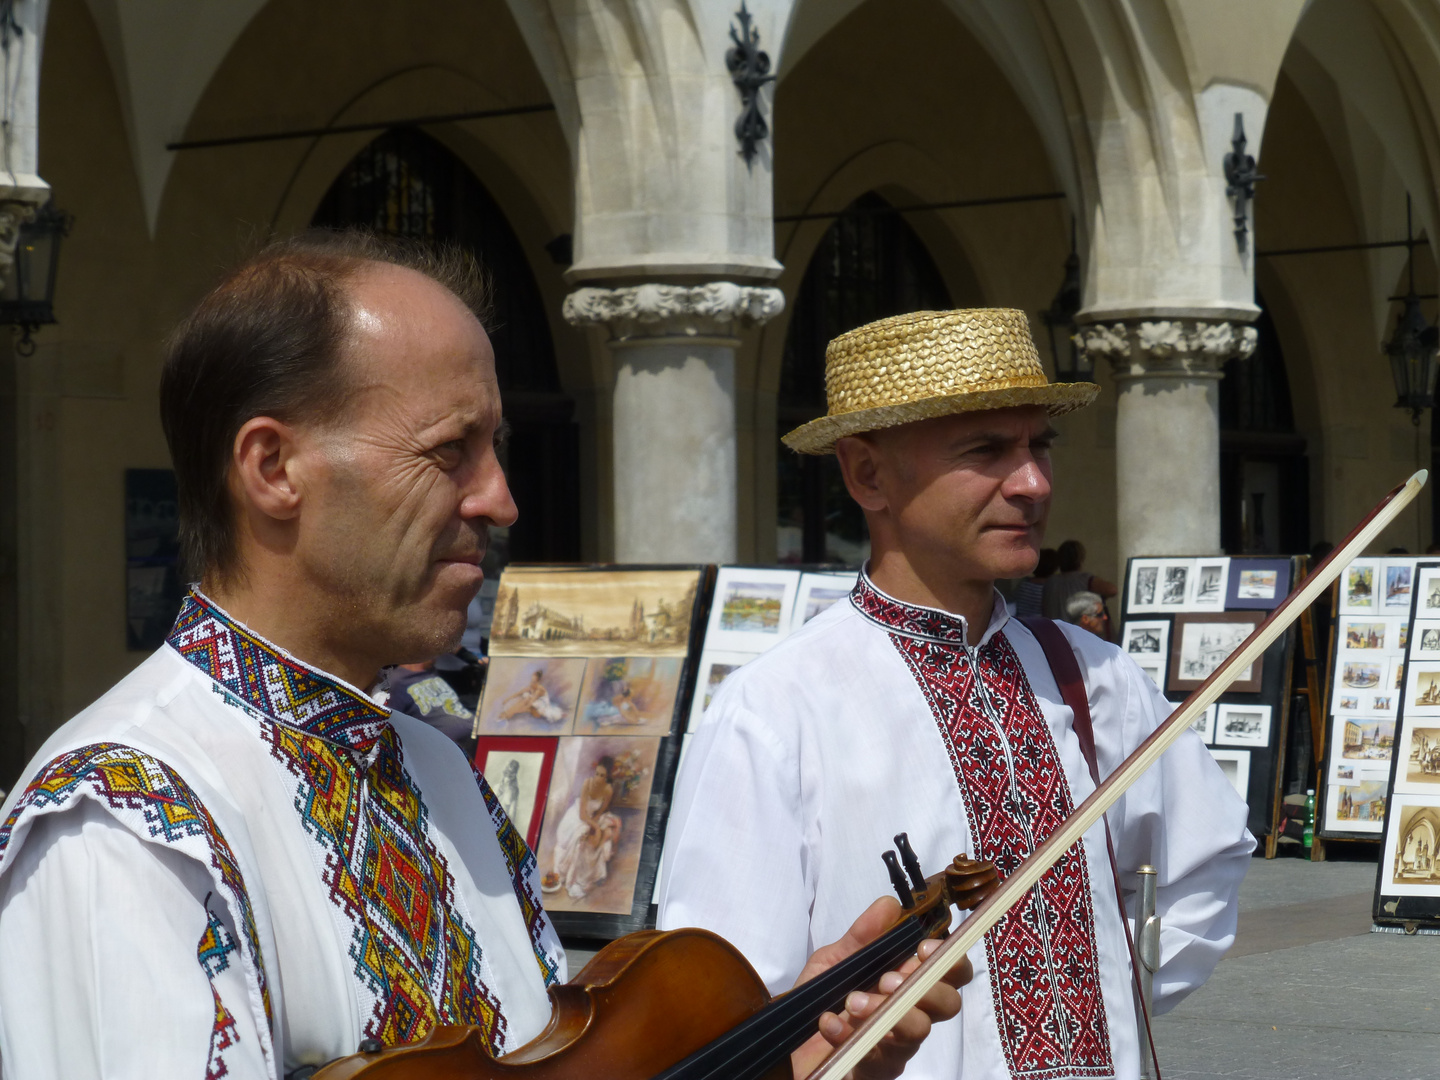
1308 993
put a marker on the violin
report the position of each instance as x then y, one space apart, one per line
683 1004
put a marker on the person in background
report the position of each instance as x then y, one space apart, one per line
1086 609
1071 579
1029 595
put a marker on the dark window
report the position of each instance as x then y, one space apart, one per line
405 183
1264 471
869 265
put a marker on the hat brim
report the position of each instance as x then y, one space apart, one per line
819 436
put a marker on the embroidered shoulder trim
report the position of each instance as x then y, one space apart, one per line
216 945
150 799
520 861
272 681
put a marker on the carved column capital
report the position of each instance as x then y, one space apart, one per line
719 309
1178 348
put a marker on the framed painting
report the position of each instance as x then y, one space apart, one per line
1142 593
819 592
1208 584
1235 764
1257 584
530 695
518 771
753 608
1201 641
1242 725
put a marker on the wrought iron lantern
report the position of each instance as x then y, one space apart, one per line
27 298
1412 358
1071 364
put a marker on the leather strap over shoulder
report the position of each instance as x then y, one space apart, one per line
1066 669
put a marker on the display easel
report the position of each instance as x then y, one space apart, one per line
1265 768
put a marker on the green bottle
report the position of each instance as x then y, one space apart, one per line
1309 817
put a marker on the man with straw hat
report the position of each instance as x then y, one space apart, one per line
921 707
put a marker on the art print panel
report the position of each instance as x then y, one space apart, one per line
1366 738
1257 584
1200 643
1208 585
1203 724
715 668
1395 585
1243 725
1358 588
589 854
820 592
525 696
518 772
1356 807
546 612
1427 603
753 608
1422 695
1147 640
1409 865
1427 640
629 695
1176 583
1144 593
1419 768
1361 634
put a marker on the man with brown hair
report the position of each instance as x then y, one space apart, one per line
239 862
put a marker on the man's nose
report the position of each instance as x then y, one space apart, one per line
1028 480
490 498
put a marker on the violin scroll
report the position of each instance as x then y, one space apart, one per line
970 881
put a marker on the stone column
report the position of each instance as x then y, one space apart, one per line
674 412
1167 428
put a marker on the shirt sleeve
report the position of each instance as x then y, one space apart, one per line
107 940
719 867
1182 817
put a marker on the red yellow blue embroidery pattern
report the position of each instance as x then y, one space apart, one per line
416 959
151 799
216 945
520 861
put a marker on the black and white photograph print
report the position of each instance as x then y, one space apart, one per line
1208 585
1175 586
1427 641
1154 669
1428 605
1144 592
1243 725
1147 640
1423 692
1202 641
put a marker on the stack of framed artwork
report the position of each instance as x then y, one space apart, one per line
1182 618
596 675
1407 888
1372 627
591 677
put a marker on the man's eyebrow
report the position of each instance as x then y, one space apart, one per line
1048 435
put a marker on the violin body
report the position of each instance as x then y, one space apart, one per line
679 1005
640 1005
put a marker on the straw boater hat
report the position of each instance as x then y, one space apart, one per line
928 364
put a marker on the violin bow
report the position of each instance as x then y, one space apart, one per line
994 907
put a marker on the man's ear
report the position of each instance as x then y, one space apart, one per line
263 468
861 461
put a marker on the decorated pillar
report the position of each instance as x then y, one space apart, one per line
673 413
1167 427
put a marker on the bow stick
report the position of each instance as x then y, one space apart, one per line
988 913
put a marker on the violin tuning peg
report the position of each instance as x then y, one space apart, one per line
897 879
908 859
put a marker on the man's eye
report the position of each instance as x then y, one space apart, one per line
450 452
